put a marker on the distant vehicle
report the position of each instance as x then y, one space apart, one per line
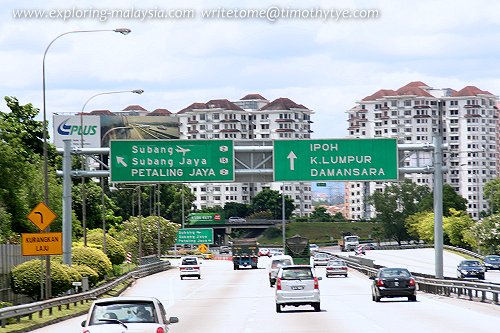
224 249
298 248
321 259
369 246
393 282
236 219
264 252
348 243
313 248
245 253
297 285
336 267
491 262
190 266
470 269
275 252
131 314
277 262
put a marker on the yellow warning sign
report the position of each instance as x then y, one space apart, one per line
42 216
202 248
41 244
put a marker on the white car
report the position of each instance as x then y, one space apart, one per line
321 259
277 262
297 285
236 219
313 248
127 314
190 267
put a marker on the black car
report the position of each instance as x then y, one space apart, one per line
470 269
393 282
491 262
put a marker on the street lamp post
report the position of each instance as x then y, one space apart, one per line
84 163
124 31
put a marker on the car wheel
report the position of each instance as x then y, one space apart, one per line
199 277
317 307
377 298
278 308
182 278
412 298
345 275
235 267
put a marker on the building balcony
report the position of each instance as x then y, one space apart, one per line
192 122
231 130
284 120
285 130
229 121
472 115
193 131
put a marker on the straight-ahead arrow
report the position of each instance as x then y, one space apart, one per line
292 158
121 160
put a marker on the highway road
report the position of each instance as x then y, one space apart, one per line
419 260
242 301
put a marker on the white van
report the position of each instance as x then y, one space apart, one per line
276 263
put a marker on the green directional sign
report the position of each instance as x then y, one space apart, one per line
159 161
335 160
195 236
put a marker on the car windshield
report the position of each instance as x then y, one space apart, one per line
280 263
393 273
189 261
471 263
126 312
297 274
336 263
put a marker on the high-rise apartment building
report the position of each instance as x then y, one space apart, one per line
410 114
251 118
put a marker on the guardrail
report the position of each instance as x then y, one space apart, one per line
19 311
472 290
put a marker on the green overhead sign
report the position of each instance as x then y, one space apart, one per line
157 161
195 236
335 160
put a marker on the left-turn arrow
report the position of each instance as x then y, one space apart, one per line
121 160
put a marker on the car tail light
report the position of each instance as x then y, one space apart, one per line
329 268
86 331
344 268
412 282
380 282
196 267
160 330
316 284
278 284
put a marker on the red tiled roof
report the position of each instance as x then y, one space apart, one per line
253 97
102 112
283 103
223 104
412 90
193 106
415 84
379 94
159 112
134 108
470 91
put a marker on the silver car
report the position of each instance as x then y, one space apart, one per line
297 285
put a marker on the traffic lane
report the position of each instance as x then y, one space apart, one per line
422 261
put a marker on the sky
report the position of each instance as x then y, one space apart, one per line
324 63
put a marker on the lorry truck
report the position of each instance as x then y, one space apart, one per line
245 253
298 248
348 242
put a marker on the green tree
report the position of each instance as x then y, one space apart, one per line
271 200
457 228
492 194
451 200
320 214
487 232
114 249
395 204
128 234
236 209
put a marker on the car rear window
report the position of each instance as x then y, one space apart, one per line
280 263
395 273
127 312
297 274
189 261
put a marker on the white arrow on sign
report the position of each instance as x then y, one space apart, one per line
292 158
121 160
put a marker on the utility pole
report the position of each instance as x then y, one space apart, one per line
438 193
